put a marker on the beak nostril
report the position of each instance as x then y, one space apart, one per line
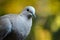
31 12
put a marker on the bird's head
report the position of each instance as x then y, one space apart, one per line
29 11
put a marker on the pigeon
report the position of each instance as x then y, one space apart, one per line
17 26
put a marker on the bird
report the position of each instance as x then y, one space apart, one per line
17 26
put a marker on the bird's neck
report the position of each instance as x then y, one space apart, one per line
27 16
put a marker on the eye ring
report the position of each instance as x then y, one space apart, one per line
27 9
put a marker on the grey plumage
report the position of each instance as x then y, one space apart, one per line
16 25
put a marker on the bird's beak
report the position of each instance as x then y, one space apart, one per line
34 16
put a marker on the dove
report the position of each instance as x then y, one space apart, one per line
17 26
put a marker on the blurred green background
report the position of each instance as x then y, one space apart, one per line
47 24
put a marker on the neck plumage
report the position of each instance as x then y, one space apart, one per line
26 15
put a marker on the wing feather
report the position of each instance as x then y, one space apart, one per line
5 27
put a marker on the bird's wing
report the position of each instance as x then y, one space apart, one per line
5 27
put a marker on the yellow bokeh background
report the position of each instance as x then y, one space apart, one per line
45 11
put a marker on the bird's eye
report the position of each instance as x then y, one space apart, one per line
27 9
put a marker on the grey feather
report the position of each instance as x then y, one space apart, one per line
19 25
5 27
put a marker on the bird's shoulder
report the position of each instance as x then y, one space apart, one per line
8 16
